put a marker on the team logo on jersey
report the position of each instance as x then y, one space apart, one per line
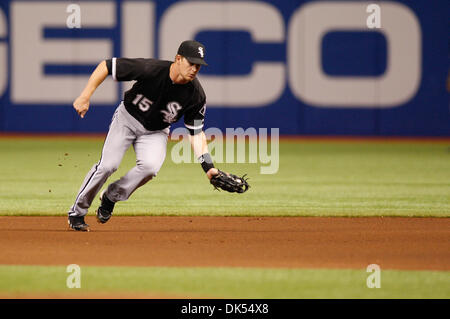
170 115
200 51
203 110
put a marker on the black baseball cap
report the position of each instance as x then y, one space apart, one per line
193 51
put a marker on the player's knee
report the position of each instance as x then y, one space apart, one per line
149 169
108 168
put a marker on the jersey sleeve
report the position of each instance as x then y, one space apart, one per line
125 69
194 117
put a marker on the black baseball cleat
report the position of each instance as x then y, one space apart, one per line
77 223
105 210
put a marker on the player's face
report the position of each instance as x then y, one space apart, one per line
188 70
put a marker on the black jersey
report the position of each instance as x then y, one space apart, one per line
154 100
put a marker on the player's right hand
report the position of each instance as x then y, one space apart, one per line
81 105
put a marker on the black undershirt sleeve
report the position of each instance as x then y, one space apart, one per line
108 66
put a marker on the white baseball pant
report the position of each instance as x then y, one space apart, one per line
124 131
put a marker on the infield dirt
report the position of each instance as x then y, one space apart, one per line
288 242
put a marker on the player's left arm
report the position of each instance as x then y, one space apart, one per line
194 122
219 179
200 146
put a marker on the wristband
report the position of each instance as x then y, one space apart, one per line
206 162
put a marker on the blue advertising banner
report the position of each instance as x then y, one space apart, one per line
378 68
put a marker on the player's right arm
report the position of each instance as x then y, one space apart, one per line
81 104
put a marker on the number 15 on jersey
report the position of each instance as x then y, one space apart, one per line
142 102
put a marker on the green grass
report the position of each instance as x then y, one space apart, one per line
241 283
42 176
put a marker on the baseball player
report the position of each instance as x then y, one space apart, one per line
164 92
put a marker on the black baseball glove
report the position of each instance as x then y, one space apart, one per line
229 182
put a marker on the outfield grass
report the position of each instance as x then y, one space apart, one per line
240 283
42 176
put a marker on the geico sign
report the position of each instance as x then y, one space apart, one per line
263 85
